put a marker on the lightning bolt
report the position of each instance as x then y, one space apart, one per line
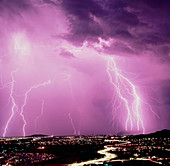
7 85
115 105
14 106
68 79
127 94
71 121
41 114
25 102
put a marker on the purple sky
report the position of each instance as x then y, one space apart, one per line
54 66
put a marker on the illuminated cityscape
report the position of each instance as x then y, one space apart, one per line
108 150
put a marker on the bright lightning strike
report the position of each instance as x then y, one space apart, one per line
41 114
72 124
14 106
71 91
127 93
25 102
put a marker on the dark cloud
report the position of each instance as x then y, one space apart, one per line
14 5
139 27
82 9
81 21
15 9
144 25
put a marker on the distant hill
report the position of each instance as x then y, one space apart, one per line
163 133
37 135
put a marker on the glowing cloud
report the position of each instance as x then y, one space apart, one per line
21 44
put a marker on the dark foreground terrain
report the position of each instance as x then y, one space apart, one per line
141 150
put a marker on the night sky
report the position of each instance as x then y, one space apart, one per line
72 67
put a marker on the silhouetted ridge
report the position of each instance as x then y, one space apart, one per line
37 135
163 133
